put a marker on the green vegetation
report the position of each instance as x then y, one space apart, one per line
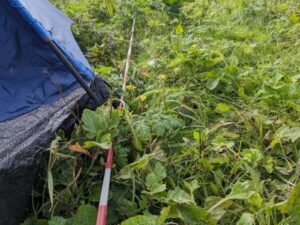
211 131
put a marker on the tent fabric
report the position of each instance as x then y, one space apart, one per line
50 23
22 142
31 75
57 24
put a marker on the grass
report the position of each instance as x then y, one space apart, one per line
211 131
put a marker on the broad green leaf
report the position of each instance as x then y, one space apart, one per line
164 213
223 108
288 133
239 191
93 123
86 215
126 207
220 143
232 70
103 70
212 84
256 200
252 155
141 220
191 186
242 95
242 191
246 219
159 171
154 184
115 119
143 130
269 164
292 133
104 143
194 215
138 164
179 196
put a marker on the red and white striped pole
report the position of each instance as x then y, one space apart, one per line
102 209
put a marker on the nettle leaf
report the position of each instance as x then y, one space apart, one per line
291 134
191 186
242 191
143 130
160 124
126 207
269 164
246 219
154 180
154 184
93 123
252 155
220 143
121 156
159 171
105 141
86 215
141 220
179 196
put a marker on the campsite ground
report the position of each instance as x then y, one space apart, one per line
210 133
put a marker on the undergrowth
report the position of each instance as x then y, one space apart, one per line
210 133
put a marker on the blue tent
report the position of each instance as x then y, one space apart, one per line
37 92
30 72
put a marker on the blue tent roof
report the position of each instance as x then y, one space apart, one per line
30 73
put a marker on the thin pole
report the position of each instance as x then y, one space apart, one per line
125 79
102 209
74 72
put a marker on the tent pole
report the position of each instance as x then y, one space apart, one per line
74 72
